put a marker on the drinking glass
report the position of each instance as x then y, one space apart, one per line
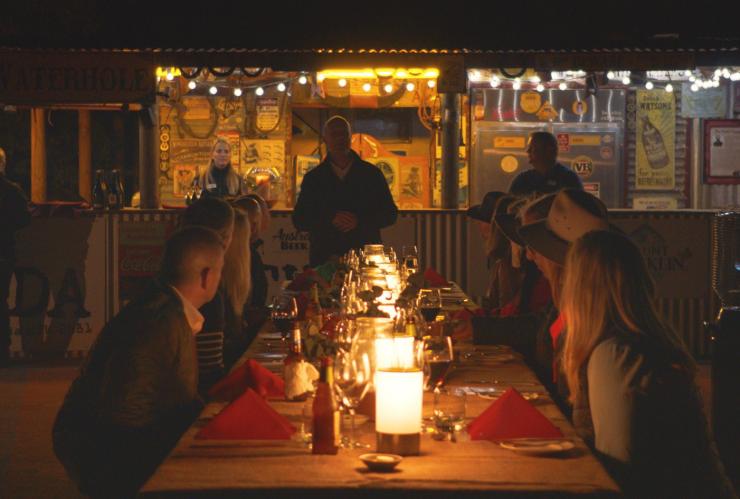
284 312
449 410
429 304
353 372
438 356
410 259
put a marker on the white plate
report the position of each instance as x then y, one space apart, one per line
538 446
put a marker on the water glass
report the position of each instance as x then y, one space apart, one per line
449 409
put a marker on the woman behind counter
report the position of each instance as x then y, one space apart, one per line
220 179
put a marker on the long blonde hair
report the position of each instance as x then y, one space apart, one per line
236 276
608 288
233 182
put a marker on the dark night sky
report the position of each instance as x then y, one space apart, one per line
359 24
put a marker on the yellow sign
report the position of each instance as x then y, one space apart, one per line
580 107
656 130
585 140
510 142
547 112
530 102
509 164
583 166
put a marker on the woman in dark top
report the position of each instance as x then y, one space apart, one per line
220 179
631 379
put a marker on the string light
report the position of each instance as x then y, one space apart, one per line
366 87
169 76
626 80
669 88
687 73
649 85
610 75
410 87
536 79
540 87
302 80
388 88
281 87
213 90
563 85
694 87
237 92
517 84
192 85
495 82
260 91
431 83
342 83
320 77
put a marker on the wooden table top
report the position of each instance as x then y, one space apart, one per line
463 468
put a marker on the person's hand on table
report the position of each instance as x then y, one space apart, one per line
345 221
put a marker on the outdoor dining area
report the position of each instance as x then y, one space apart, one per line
364 384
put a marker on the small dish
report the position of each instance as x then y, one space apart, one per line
538 446
381 462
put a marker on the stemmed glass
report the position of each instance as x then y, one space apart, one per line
353 371
410 259
438 356
284 312
429 304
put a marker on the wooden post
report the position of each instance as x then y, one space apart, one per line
450 109
149 158
85 155
38 155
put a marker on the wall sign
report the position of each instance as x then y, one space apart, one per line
721 151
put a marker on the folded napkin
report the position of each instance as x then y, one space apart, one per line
247 418
511 417
252 375
434 278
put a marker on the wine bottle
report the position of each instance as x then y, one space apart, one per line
313 309
325 413
652 142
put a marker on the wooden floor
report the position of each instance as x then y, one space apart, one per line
30 398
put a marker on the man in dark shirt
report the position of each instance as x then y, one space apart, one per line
344 201
546 175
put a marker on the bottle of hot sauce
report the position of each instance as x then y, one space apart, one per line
325 413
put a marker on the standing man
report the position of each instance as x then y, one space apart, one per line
344 201
14 215
137 390
546 175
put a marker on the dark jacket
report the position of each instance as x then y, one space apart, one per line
134 397
363 192
14 215
532 181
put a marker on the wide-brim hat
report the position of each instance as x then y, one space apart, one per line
509 223
484 210
573 213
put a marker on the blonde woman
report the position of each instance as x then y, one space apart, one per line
631 380
220 179
236 284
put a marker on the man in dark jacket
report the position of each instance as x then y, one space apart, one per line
546 175
137 391
344 201
14 215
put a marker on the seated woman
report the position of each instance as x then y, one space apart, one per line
631 379
236 284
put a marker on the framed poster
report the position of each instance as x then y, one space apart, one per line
722 152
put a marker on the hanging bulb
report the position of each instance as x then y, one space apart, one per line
540 87
431 83
281 87
213 90
410 87
687 72
610 75
192 85
517 84
366 87
495 82
669 88
563 85
692 78
260 91
320 77
302 80
717 72
170 76
536 79
694 87
725 73
626 80
388 88
342 83
735 76
649 85
237 92
715 83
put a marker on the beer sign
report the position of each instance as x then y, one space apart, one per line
656 130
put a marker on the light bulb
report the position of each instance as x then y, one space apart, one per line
687 72
694 87
517 84
626 80
431 83
649 85
536 79
281 87
563 85
320 77
669 88
735 76
302 80
342 83
692 78
213 90
237 92
725 73
495 82
366 87
610 75
192 85
717 72
260 91
170 76
715 83
410 87
540 87
388 88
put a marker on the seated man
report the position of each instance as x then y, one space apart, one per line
137 390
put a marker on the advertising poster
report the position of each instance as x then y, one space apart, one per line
708 103
654 203
262 153
390 168
724 151
183 176
656 130
268 113
303 164
413 183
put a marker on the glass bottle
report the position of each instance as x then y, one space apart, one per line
100 191
654 145
114 192
313 310
325 413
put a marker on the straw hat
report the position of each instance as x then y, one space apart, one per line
573 213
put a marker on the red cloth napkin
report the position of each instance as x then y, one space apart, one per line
252 375
434 278
248 418
512 417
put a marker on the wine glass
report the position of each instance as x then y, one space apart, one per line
353 372
410 259
438 356
284 312
429 304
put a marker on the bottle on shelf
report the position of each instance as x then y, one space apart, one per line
115 191
100 191
325 413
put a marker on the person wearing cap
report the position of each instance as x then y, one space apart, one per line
546 175
344 201
630 377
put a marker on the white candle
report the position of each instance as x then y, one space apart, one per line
398 401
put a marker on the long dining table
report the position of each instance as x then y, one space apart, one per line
445 467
